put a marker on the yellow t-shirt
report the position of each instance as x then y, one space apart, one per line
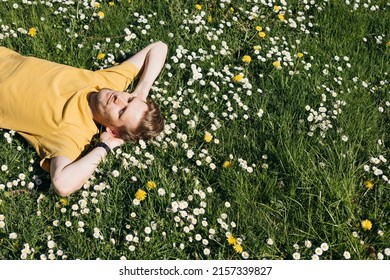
47 104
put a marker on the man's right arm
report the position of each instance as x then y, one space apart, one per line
150 60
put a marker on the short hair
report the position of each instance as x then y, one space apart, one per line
150 125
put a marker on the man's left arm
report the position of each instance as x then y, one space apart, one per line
69 176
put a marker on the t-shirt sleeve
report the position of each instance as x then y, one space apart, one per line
58 144
118 77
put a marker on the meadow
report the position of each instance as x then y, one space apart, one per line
276 139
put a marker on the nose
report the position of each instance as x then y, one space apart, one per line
119 100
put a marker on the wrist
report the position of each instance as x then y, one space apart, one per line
142 89
104 146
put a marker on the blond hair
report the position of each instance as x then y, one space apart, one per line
151 124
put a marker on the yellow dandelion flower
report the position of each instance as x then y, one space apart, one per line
262 35
388 44
259 28
281 17
256 48
100 14
276 64
32 32
226 164
111 4
101 56
231 240
63 201
150 185
238 248
238 78
299 55
140 195
198 7
209 18
231 9
246 59
369 184
208 137
276 8
96 5
366 224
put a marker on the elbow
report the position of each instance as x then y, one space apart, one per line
61 188
163 47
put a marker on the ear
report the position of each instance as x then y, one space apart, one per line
112 131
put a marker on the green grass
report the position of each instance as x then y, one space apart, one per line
282 185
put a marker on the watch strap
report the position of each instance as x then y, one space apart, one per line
105 146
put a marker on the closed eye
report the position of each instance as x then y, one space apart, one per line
122 111
124 108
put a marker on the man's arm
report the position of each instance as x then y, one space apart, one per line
150 60
68 177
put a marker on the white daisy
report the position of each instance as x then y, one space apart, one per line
387 251
318 251
245 255
347 255
296 256
315 257
324 247
13 235
270 242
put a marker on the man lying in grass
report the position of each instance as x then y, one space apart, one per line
58 108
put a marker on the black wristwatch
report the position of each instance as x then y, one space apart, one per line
105 146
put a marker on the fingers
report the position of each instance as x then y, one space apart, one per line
111 140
